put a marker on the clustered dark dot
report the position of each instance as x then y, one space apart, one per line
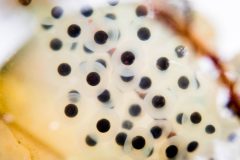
141 10
102 62
156 132
111 16
90 141
103 125
113 2
127 58
158 101
192 146
57 12
138 142
180 51
104 96
87 11
56 44
93 78
71 110
183 82
162 63
210 129
171 151
135 110
86 49
195 117
143 33
179 118
127 79
74 30
101 37
145 83
121 138
127 125
64 69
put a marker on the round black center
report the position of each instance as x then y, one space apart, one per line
183 82
57 12
143 33
171 151
156 132
93 79
71 110
100 37
210 129
103 125
192 146
127 58
141 11
64 69
158 101
162 63
134 110
145 83
87 11
180 51
104 96
90 141
74 30
127 124
121 138
195 118
56 44
138 142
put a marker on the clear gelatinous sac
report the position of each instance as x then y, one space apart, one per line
108 82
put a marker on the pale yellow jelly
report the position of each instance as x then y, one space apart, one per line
109 83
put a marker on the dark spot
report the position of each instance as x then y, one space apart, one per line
183 82
74 30
104 96
93 78
138 142
127 124
64 69
180 51
195 118
103 125
162 63
150 153
127 58
87 50
127 79
100 37
143 33
25 2
102 62
57 12
74 46
47 26
56 44
192 146
141 10
134 110
210 129
145 83
156 132
110 16
171 151
87 11
198 83
180 118
121 138
113 2
90 141
74 96
71 110
158 101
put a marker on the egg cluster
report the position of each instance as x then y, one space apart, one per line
110 83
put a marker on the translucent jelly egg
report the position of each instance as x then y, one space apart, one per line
107 82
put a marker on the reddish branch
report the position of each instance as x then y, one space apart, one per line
185 31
